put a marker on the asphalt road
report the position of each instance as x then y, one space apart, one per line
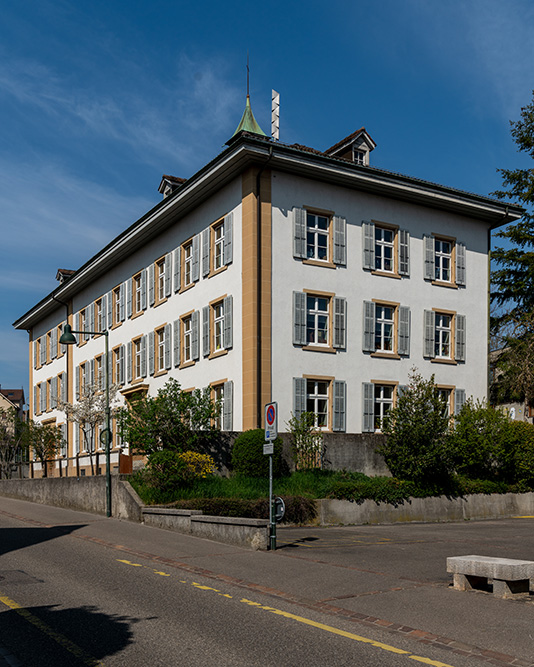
76 589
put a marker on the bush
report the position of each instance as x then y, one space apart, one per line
198 466
522 436
306 441
482 443
248 458
165 470
416 428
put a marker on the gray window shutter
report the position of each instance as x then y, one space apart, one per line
228 405
340 391
168 274
63 430
404 252
151 353
176 340
195 325
228 252
91 372
53 351
76 429
299 396
299 233
151 287
459 400
43 396
340 245
143 289
176 264
369 326
429 349
104 311
430 264
91 316
228 340
195 264
129 298
368 231
63 388
110 309
340 318
167 346
460 338
122 293
43 350
206 252
206 330
460 264
401 389
299 318
368 393
143 356
53 393
76 319
35 359
35 406
110 369
121 365
129 362
403 344
77 382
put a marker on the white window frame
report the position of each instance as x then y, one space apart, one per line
218 246
313 233
188 263
442 273
187 339
382 401
317 313
218 326
381 245
441 331
313 399
160 350
382 322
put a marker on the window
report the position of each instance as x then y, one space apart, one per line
137 348
359 156
118 305
160 281
386 329
217 332
386 249
445 261
82 324
217 396
218 243
99 315
138 293
217 246
317 401
444 336
445 394
60 348
187 340
378 399
48 346
118 365
317 317
319 321
188 272
319 237
159 350
188 264
325 397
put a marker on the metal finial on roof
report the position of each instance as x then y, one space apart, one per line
248 123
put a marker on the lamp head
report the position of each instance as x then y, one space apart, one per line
67 337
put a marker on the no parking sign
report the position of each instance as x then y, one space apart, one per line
271 421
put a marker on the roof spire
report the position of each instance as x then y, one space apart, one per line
248 122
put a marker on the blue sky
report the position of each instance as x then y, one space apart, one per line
99 99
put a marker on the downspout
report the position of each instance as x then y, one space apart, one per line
67 382
259 406
490 229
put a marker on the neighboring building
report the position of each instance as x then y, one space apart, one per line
13 398
279 272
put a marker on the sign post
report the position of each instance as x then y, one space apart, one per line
271 433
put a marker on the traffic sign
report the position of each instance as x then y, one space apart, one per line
268 448
271 421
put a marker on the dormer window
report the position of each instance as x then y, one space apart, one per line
359 156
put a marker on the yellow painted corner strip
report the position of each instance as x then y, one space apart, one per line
343 633
50 632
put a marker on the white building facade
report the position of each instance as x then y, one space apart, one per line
279 273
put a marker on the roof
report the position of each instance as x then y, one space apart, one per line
13 394
246 150
352 137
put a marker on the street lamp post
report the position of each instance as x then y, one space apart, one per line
67 338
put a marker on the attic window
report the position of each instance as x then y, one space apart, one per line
359 156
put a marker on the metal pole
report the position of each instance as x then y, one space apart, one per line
108 434
272 523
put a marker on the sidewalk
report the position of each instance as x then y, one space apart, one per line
392 576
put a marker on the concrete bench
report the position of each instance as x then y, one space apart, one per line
510 577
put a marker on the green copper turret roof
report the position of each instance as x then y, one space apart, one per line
248 122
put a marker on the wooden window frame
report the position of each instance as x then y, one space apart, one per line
395 229
394 354
329 261
215 387
116 307
159 281
394 384
186 262
452 343
330 406
186 317
137 284
159 346
452 282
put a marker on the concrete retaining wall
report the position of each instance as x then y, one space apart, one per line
426 510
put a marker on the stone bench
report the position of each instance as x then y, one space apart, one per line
510 577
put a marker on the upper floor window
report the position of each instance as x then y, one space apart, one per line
445 261
187 253
218 326
118 305
319 237
386 249
319 320
99 315
160 280
359 156
139 293
386 328
187 339
217 246
217 329
444 335
218 243
159 349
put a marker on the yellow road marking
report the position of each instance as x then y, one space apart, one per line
523 517
56 636
344 633
307 621
163 574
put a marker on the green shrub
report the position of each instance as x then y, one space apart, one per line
299 510
482 443
165 470
522 435
416 428
248 458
